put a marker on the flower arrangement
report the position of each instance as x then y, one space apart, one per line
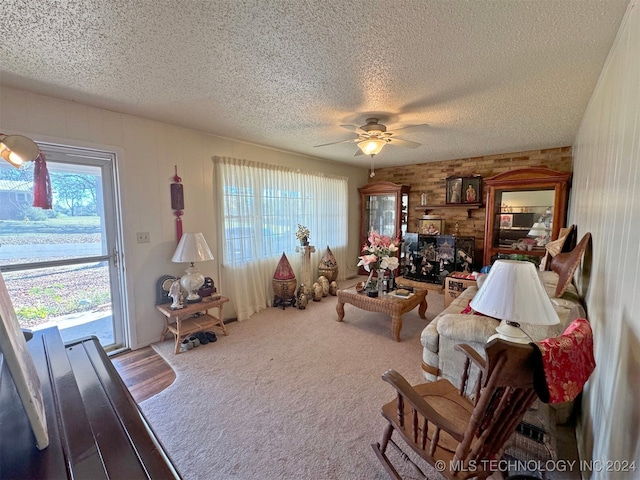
303 234
379 253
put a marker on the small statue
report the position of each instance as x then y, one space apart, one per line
301 297
302 301
176 294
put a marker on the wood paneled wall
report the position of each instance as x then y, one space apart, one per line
605 200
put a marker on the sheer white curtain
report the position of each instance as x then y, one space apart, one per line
260 206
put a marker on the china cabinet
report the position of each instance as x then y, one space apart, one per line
525 210
383 207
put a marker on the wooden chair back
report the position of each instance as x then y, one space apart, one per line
505 395
465 435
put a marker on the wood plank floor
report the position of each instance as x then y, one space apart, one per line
144 372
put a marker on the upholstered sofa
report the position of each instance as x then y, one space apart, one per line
452 326
441 360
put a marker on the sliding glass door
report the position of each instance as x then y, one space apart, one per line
62 266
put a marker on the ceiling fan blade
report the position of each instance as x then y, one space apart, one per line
337 143
412 126
403 143
353 128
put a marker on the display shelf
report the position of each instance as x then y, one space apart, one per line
467 206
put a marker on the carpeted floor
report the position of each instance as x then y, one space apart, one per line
289 394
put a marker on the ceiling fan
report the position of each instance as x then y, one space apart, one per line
373 136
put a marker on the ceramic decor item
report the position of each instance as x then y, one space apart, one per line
284 283
333 288
328 266
317 292
301 297
324 283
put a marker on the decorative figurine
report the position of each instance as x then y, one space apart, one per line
333 288
328 266
301 297
284 284
176 294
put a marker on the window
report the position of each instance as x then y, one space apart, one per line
263 205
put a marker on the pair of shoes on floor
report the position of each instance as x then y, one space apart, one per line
186 345
211 336
189 343
206 337
202 337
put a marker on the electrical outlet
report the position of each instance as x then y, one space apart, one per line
143 237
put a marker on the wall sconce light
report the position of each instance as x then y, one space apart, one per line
18 149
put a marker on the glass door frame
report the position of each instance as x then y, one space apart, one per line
112 236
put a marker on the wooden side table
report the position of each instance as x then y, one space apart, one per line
194 317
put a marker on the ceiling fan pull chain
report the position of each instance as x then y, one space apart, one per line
373 173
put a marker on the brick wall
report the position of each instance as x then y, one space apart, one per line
430 178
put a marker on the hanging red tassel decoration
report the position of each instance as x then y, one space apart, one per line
41 184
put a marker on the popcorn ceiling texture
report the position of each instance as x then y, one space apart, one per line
485 76
431 178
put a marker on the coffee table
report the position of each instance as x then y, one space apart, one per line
389 304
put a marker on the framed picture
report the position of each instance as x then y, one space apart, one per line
506 220
472 189
431 226
454 190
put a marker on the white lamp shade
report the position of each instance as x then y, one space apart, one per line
192 248
537 230
514 292
372 146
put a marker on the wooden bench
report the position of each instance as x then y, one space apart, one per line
95 428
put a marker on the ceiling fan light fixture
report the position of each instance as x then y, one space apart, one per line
371 146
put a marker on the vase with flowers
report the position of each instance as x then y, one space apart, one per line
379 255
303 234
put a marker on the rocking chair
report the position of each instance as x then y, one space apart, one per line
460 436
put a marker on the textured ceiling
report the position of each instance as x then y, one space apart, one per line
487 76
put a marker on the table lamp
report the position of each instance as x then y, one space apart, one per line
540 231
514 294
192 248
